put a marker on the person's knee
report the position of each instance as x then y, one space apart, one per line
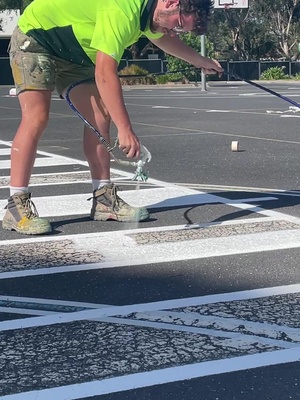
35 108
36 121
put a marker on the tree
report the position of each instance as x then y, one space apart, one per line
267 29
14 4
238 34
226 32
282 19
175 64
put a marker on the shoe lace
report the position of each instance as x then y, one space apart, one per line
30 208
116 200
112 196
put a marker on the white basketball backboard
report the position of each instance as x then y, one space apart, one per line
231 4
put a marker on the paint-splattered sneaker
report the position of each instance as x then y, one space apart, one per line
108 205
22 216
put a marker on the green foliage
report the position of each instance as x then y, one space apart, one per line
14 4
162 79
188 70
281 18
136 70
296 77
226 32
268 29
148 79
175 64
178 77
274 73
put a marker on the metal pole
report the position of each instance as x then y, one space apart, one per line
203 77
21 6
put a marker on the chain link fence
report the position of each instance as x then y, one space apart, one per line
247 69
251 70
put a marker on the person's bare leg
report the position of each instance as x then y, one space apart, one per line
21 214
106 203
35 107
86 99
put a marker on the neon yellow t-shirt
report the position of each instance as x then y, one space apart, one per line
75 30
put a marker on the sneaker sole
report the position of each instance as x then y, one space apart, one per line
113 217
10 227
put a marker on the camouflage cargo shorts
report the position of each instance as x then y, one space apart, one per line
33 68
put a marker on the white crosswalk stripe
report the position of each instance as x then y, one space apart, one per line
196 337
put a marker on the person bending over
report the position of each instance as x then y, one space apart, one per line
60 42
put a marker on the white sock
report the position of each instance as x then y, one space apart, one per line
14 190
99 183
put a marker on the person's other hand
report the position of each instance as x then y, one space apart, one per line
212 67
129 143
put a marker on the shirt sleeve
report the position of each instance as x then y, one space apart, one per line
113 33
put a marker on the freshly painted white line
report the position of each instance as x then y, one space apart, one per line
77 204
42 162
165 197
237 111
226 248
120 248
95 236
52 156
25 311
221 326
54 183
177 303
121 173
238 339
5 143
5 152
294 109
259 210
195 95
243 339
113 311
159 377
35 300
275 112
220 111
224 188
52 174
124 179
185 131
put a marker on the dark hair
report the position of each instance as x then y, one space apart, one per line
202 10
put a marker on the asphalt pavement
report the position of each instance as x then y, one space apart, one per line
200 302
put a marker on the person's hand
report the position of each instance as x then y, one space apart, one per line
211 67
129 143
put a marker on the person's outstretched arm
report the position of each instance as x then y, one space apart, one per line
176 47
